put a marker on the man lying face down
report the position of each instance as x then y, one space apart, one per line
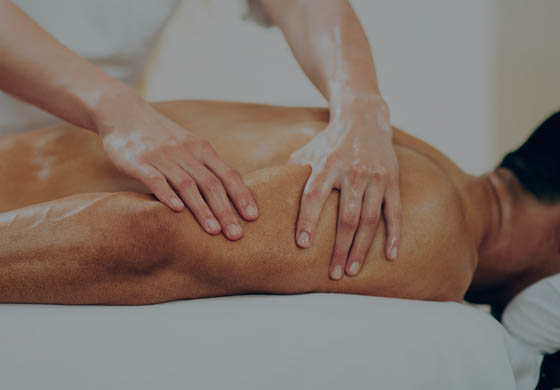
75 231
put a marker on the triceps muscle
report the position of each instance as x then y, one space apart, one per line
79 249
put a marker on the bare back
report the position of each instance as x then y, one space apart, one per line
437 254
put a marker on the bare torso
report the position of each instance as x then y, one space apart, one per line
438 253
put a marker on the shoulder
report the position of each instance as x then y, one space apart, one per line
436 238
425 186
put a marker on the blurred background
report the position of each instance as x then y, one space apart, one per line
473 78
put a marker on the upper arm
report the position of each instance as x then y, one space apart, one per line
87 248
268 260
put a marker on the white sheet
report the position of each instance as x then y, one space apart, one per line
314 341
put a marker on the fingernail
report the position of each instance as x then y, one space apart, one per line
303 239
336 273
394 253
354 267
213 225
176 204
252 211
234 230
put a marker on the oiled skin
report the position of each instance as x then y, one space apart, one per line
107 244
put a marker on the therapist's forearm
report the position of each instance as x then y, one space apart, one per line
330 45
39 70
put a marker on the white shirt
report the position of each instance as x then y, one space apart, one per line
117 35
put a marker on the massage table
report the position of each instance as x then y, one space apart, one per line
310 341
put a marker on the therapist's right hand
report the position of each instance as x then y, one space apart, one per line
176 165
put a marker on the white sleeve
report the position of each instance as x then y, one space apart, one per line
253 10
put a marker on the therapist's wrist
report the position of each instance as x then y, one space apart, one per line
365 107
112 102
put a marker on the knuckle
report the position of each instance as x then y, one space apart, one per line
393 180
202 211
143 158
198 209
349 220
339 255
150 175
213 185
155 178
306 223
157 150
332 160
397 216
358 256
310 195
239 199
205 145
370 219
188 157
242 200
205 214
360 169
234 175
378 172
186 183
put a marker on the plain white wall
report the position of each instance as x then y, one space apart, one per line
527 68
472 78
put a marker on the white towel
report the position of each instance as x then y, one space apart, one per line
533 316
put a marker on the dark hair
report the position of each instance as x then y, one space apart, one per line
536 164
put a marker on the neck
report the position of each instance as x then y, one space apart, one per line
485 208
500 205
508 256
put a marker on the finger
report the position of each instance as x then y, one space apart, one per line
185 185
349 210
155 181
234 184
315 194
369 220
216 197
392 214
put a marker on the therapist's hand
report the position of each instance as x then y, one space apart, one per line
355 155
176 165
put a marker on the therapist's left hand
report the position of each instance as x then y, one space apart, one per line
355 155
